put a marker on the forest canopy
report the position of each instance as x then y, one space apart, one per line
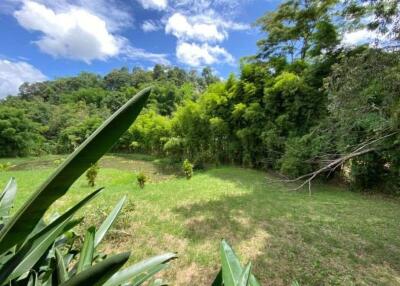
305 101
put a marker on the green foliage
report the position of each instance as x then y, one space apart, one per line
187 169
299 28
19 136
91 174
304 100
232 272
33 251
5 166
372 79
141 179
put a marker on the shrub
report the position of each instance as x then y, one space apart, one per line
35 253
5 166
141 179
187 168
91 174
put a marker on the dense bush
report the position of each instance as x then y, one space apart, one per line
141 179
187 169
91 174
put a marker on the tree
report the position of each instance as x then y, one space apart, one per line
208 76
19 136
362 130
297 29
382 16
118 79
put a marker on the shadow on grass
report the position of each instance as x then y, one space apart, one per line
327 239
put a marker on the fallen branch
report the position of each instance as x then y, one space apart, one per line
334 164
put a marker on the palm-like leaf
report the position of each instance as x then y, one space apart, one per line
232 270
7 199
62 272
87 252
19 227
105 226
139 269
34 248
99 273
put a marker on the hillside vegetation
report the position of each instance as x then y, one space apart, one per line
306 101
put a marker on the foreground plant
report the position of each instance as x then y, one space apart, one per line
35 253
232 272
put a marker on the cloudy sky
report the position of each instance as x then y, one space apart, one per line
45 39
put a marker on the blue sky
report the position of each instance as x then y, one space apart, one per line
46 39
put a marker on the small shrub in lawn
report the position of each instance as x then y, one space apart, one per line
141 179
91 174
58 161
187 169
5 166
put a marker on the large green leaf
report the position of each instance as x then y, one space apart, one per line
231 268
87 252
105 226
33 249
62 272
27 217
146 275
138 269
99 273
245 276
158 282
7 199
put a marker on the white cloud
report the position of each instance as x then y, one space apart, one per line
199 55
140 54
205 27
194 28
197 35
154 4
75 33
226 7
362 36
115 13
13 74
78 33
150 26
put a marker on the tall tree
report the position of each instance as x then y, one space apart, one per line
298 28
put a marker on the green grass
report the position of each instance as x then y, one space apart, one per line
334 237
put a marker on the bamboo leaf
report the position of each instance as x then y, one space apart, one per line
27 217
33 249
136 269
105 226
86 255
99 273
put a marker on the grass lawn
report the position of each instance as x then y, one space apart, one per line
333 237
